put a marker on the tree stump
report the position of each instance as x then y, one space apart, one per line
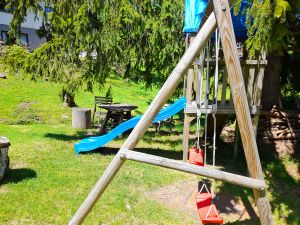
4 160
81 118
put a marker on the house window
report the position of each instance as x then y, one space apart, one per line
48 9
23 39
2 6
4 36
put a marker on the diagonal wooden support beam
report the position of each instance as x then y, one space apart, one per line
224 21
140 129
193 169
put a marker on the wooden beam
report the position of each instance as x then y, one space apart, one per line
193 169
138 132
187 117
222 109
224 21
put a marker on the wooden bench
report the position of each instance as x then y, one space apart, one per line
98 102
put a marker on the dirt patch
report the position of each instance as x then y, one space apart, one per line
286 148
290 149
181 196
3 190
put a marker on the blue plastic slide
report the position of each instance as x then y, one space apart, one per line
93 143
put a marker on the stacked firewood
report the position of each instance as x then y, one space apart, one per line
278 125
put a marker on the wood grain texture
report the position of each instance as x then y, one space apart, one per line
194 169
224 21
187 119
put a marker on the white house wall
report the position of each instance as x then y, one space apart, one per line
34 41
31 24
31 21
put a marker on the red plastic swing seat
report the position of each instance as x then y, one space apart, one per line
196 156
212 217
203 199
207 211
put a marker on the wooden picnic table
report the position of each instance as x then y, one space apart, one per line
117 113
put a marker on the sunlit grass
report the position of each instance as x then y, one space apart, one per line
47 181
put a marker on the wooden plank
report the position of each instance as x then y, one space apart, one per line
138 132
194 169
256 97
259 85
251 83
187 119
256 62
222 109
224 21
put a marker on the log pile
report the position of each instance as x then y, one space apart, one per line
279 125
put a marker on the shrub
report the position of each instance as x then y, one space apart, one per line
14 58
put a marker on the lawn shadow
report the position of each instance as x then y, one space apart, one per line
176 155
245 222
18 175
64 137
174 138
277 177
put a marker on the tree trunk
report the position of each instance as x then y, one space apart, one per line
67 98
271 85
81 118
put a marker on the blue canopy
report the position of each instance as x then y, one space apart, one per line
194 11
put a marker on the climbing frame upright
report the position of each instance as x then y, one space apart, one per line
221 17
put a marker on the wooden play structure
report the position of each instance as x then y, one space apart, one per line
221 18
253 75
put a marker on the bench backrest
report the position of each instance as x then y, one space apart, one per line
101 100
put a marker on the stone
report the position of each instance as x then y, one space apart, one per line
4 159
2 76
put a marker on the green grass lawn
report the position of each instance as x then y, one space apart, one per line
47 181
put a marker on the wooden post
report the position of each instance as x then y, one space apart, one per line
140 129
224 21
256 97
187 117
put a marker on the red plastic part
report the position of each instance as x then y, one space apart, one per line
204 205
212 217
196 156
203 199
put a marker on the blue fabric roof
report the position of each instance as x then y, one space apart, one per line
194 11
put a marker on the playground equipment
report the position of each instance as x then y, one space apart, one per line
207 210
92 143
221 18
